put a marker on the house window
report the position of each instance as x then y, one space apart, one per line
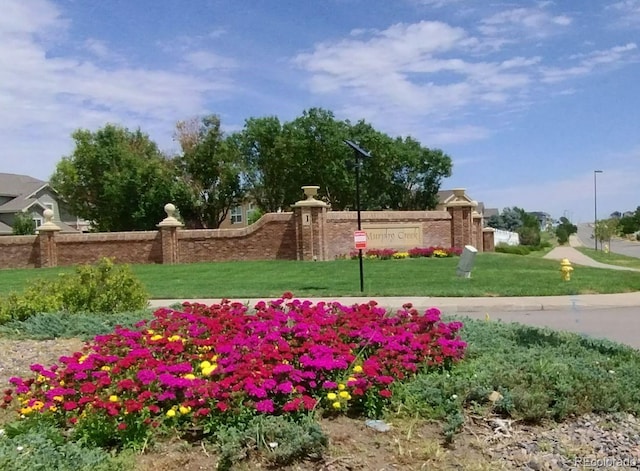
236 215
251 208
37 222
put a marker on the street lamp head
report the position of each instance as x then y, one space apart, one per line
359 150
597 171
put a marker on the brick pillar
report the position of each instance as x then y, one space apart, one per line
169 236
461 210
477 231
488 240
310 216
47 239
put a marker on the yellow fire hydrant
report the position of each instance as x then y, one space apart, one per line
566 269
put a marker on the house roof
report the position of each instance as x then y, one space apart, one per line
21 188
16 185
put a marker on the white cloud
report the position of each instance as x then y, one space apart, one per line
50 95
628 11
523 22
611 57
206 60
399 76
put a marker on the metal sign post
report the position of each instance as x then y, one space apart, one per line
359 153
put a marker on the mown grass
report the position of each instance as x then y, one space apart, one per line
611 258
494 274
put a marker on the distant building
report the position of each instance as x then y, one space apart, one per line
544 219
24 194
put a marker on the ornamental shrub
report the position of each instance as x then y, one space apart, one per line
104 287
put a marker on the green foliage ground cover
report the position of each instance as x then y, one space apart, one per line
494 274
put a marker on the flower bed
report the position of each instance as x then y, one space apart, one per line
416 252
203 366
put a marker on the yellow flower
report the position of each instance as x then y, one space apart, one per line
58 398
185 409
82 358
41 379
351 379
53 408
341 387
37 405
357 369
332 396
336 405
150 331
207 371
205 364
174 338
105 368
156 337
189 376
62 382
345 395
113 398
26 410
171 413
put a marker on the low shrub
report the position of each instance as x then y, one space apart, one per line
57 325
104 287
528 374
30 445
513 249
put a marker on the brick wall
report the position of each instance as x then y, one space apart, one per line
124 247
326 235
272 237
19 252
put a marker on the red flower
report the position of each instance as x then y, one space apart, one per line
385 393
122 426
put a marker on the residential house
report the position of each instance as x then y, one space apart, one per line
238 216
24 194
544 219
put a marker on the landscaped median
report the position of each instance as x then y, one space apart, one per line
255 382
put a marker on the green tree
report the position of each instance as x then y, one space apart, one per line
23 224
605 229
211 167
279 159
265 164
117 179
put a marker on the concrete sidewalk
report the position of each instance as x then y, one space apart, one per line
578 258
453 305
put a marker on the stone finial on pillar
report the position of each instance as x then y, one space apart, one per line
170 220
48 225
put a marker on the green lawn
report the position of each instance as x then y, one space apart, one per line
611 258
494 274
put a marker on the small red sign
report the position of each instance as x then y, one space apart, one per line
360 239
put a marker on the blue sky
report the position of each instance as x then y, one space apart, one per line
527 97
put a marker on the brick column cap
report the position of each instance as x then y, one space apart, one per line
48 225
170 220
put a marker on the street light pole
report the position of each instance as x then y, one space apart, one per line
358 154
595 206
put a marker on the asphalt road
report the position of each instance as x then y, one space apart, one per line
623 247
621 324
